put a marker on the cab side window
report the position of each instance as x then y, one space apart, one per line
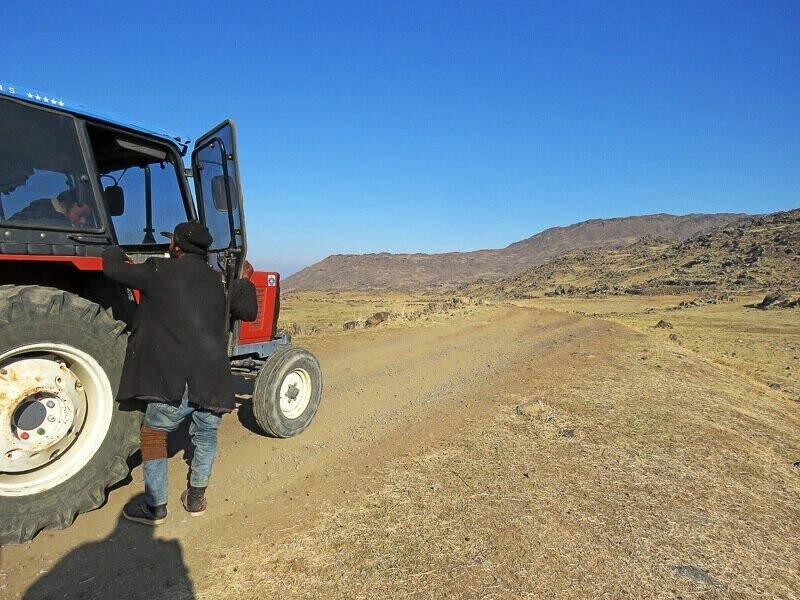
44 181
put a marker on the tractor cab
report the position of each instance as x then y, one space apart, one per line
73 181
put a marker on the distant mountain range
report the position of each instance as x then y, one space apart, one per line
418 272
761 252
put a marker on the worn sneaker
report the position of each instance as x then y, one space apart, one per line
139 512
194 504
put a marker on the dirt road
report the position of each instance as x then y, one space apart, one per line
382 389
396 395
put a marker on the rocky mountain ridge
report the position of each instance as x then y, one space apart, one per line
416 272
758 253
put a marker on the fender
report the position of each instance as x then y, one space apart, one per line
82 263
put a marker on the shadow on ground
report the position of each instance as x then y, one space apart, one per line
243 387
129 563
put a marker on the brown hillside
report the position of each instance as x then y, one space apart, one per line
763 252
427 271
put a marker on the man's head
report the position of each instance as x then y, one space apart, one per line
191 237
76 211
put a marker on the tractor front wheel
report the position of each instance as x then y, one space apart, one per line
63 437
287 392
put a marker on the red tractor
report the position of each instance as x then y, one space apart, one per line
73 182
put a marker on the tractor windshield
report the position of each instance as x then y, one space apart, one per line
44 181
141 181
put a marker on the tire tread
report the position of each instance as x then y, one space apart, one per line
18 304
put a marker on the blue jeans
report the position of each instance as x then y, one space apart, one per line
203 430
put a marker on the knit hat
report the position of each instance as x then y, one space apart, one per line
192 237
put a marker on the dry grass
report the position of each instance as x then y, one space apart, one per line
323 313
644 472
763 346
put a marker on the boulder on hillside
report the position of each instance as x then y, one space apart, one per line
377 319
778 300
563 290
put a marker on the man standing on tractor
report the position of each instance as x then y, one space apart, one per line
177 359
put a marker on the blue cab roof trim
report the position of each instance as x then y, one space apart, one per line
59 103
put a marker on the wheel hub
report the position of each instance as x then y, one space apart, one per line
42 402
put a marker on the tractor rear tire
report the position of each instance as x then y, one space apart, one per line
287 392
64 437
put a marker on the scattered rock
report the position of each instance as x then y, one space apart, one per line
567 433
662 324
350 325
711 299
695 574
778 300
529 409
775 386
293 329
563 290
770 299
673 337
377 319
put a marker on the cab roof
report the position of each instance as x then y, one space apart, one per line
56 102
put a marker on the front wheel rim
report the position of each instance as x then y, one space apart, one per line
49 429
295 393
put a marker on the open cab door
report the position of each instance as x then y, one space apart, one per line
215 170
219 196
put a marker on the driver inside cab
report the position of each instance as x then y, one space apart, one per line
66 209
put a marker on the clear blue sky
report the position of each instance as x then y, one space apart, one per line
424 126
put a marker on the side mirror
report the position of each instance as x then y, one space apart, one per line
115 200
219 194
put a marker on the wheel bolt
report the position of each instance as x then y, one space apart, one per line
78 385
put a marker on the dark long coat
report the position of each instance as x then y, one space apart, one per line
178 333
